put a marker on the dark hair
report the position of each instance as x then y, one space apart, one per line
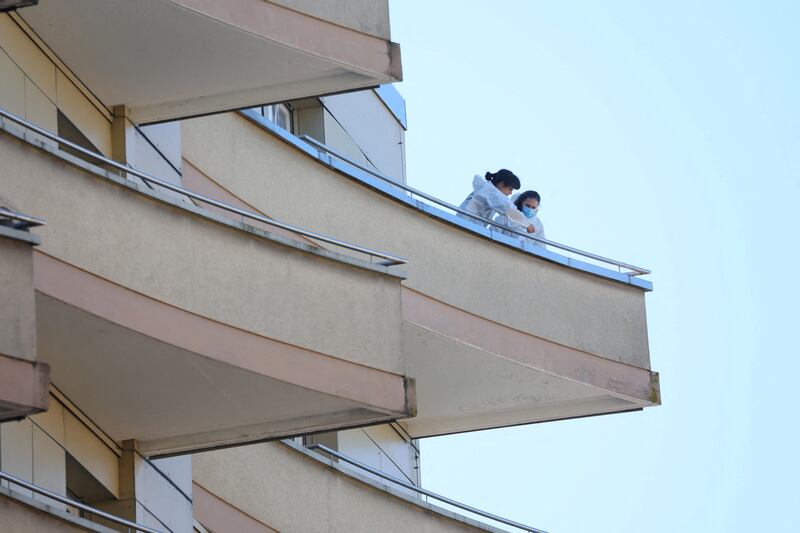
503 176
527 195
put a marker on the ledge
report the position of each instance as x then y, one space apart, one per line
37 506
23 387
385 487
398 195
20 235
173 201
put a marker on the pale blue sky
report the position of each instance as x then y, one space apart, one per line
665 134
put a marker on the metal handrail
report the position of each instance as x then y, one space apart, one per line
63 499
389 260
24 221
420 490
636 271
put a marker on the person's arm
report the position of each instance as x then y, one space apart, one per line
516 216
501 204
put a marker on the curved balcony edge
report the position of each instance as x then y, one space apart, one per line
109 303
173 201
395 194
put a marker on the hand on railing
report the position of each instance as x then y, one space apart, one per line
634 270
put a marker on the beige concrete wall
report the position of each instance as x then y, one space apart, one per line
366 16
34 85
449 264
19 517
23 379
30 453
72 434
16 452
280 487
27 78
206 268
154 150
17 311
215 514
149 495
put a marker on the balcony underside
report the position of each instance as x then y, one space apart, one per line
167 59
170 325
473 374
177 382
23 387
542 341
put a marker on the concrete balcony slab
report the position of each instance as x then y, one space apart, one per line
494 334
181 329
167 59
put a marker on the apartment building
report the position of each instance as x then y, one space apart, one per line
194 336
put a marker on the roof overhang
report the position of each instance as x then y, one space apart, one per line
170 59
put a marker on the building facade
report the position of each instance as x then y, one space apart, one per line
196 336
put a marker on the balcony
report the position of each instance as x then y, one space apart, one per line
308 491
185 330
482 355
166 59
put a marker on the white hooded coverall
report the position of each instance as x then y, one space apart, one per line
485 200
538 227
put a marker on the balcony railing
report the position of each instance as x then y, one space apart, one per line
420 490
632 270
132 526
383 258
19 221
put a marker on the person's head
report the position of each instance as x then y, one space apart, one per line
528 203
504 180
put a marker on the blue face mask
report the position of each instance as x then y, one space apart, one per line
529 211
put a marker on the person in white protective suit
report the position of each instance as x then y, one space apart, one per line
527 203
490 197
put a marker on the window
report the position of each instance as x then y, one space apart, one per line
280 114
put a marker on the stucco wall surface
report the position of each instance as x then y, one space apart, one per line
17 311
280 487
449 264
204 267
16 517
33 86
366 16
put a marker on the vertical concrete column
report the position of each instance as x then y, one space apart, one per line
310 118
151 493
122 135
155 150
